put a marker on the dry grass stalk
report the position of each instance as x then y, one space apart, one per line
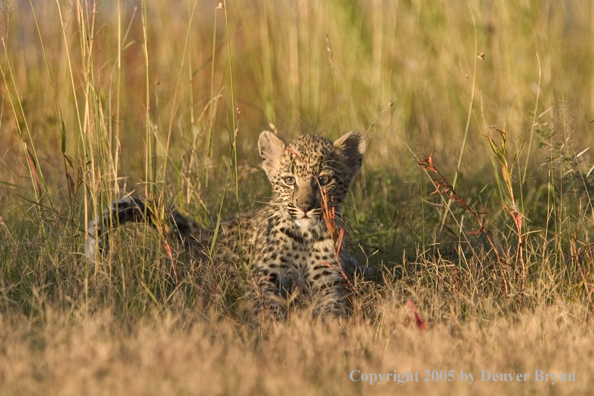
506 172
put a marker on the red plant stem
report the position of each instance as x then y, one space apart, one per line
443 188
329 215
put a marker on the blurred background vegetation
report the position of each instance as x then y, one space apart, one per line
417 55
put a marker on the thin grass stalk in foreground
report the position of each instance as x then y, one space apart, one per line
118 97
148 167
34 184
491 155
533 121
90 134
267 59
55 98
187 173
150 138
234 140
331 62
523 177
212 80
219 216
86 190
445 213
181 68
190 74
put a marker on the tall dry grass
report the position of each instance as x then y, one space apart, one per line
100 99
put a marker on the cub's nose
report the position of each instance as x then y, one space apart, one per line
306 207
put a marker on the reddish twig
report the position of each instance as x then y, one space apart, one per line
293 152
443 188
416 316
517 216
337 235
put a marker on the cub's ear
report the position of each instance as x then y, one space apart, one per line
271 149
352 145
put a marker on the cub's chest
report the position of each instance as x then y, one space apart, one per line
285 251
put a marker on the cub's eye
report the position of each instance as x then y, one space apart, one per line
323 180
289 180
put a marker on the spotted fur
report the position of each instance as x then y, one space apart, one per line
286 244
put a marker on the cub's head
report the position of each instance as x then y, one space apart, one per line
309 167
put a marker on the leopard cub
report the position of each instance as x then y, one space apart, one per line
287 242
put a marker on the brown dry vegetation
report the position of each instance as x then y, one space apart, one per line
95 355
168 98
